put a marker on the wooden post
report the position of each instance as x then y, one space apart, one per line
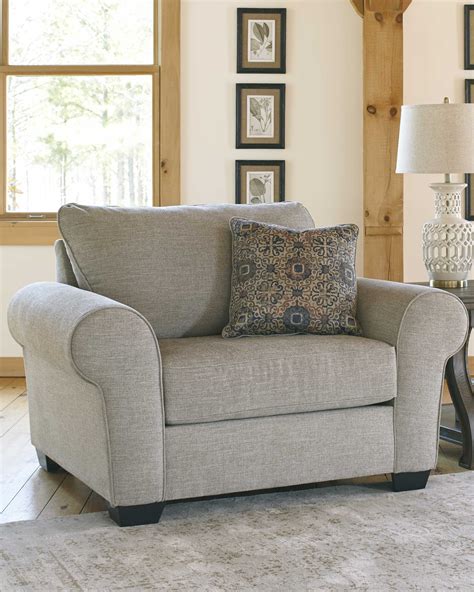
170 103
383 96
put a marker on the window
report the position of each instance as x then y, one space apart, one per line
79 85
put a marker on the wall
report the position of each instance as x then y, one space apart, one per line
324 105
20 266
323 121
433 69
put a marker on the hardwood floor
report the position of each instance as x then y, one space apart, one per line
27 492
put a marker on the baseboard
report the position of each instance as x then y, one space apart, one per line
12 367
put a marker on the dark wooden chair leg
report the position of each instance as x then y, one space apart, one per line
410 481
136 515
47 463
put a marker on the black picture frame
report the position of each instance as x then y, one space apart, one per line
279 66
279 141
468 32
469 177
240 166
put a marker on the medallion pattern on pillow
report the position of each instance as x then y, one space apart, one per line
289 281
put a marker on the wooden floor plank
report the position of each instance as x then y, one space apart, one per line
32 498
70 498
10 389
448 459
13 413
94 503
356 481
446 395
363 480
18 460
6 382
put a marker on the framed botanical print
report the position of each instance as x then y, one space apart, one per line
259 181
261 40
469 192
469 37
260 119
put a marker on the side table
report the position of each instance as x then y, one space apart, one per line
457 420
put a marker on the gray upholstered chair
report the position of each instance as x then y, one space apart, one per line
133 390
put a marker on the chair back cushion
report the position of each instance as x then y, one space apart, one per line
64 271
172 264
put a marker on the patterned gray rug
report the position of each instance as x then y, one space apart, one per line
335 538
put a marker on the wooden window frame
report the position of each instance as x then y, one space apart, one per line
25 228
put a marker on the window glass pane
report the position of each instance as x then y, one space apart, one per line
86 139
75 32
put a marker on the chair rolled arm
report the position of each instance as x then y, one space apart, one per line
427 327
46 316
83 337
390 311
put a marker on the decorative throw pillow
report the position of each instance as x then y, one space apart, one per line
289 281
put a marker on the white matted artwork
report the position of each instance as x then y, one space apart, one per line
261 40
260 116
259 181
260 187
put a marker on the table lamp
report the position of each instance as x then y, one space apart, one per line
440 139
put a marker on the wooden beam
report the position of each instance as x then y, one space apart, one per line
383 96
378 231
170 145
381 5
358 6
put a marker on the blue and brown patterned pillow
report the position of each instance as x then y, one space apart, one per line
289 281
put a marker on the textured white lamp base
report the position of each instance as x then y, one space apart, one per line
448 239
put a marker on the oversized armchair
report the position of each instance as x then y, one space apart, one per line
133 390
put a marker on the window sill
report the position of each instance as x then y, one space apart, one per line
28 233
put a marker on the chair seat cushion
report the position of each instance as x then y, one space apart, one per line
211 379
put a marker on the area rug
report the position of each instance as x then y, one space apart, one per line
325 539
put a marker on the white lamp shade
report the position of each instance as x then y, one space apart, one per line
436 139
